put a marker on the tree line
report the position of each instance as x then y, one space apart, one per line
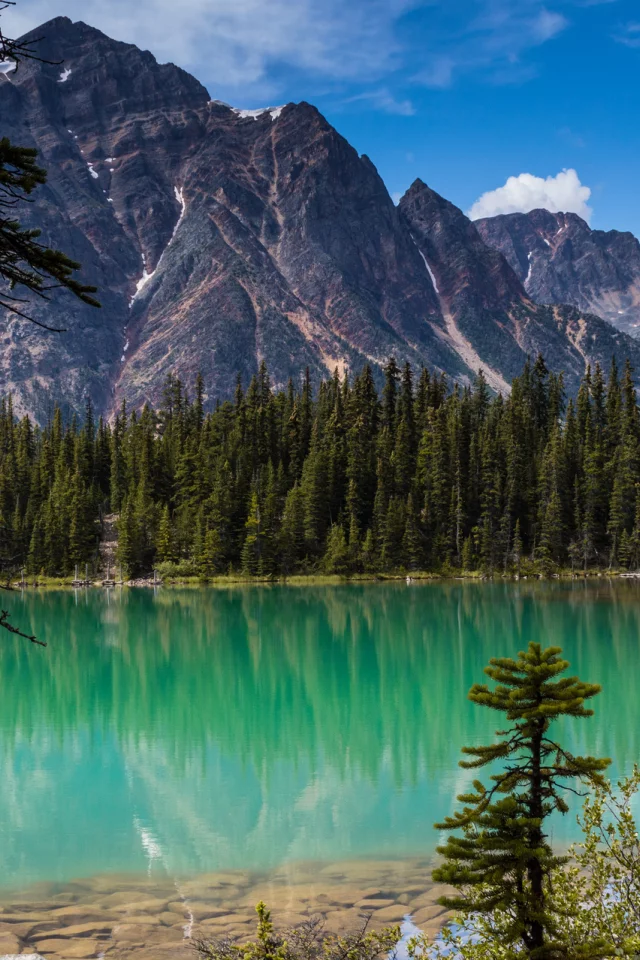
420 476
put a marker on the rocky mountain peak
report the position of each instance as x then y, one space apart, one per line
221 237
560 259
80 52
460 258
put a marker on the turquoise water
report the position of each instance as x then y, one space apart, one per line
216 729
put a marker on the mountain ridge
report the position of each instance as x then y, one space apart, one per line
559 258
219 238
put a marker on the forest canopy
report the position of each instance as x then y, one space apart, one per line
421 476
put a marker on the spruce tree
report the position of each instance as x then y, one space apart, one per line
504 858
292 532
252 548
336 558
210 558
468 556
392 535
412 544
516 550
164 537
129 552
369 554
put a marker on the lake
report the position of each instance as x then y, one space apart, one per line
272 729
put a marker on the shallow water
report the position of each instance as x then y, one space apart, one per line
180 733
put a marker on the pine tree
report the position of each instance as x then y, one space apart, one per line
516 551
36 558
336 558
210 558
633 557
412 544
552 535
354 544
314 492
468 556
292 532
390 394
164 538
25 262
369 554
82 530
129 553
504 858
252 548
393 535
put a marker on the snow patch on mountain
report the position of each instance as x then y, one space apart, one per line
529 257
179 195
431 273
274 112
64 76
427 265
146 276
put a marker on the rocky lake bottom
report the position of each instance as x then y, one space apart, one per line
144 917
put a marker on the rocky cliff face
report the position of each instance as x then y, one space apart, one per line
219 238
559 259
488 313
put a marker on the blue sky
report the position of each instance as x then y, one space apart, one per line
462 93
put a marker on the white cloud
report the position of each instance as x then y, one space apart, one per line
629 35
493 43
258 51
438 74
385 101
562 193
241 45
547 25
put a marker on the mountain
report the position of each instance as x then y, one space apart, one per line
560 259
487 312
219 238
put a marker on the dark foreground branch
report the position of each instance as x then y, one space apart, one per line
4 622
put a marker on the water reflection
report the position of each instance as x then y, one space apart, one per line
198 730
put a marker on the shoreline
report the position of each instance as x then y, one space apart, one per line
312 579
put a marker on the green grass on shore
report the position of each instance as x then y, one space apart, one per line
315 579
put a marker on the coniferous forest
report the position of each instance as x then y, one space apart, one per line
419 477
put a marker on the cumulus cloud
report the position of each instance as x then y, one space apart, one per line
563 193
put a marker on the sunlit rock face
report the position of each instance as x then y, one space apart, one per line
490 317
559 259
219 238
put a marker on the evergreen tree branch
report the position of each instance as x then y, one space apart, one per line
4 622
